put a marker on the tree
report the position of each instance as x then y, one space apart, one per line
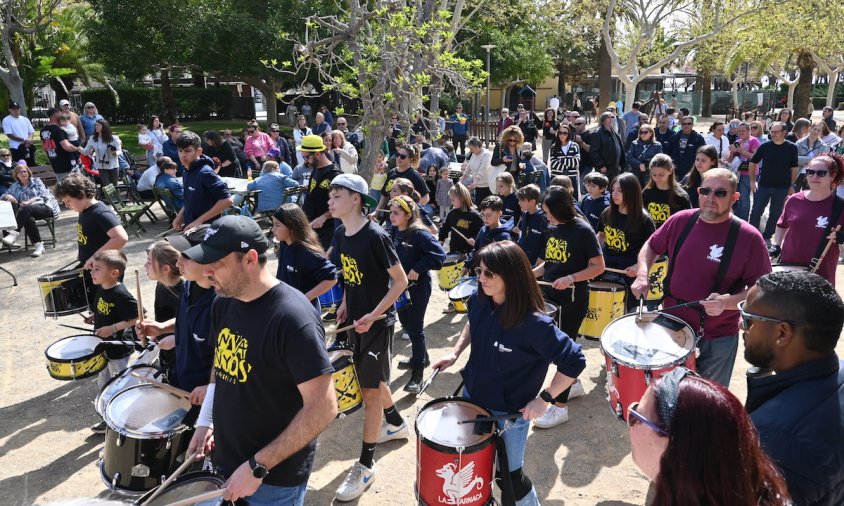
832 65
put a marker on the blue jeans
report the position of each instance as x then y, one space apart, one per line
412 320
742 207
765 194
271 495
717 358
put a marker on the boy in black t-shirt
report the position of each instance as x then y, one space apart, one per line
373 279
532 223
597 197
115 313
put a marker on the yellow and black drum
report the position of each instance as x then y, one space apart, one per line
449 274
459 295
63 293
75 357
346 385
656 279
606 303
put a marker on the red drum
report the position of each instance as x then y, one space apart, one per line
638 352
454 465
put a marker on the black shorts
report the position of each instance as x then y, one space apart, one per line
373 354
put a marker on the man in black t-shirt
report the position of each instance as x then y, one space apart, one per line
55 144
316 198
776 183
271 393
407 153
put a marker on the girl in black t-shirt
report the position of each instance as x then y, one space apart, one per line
705 159
161 267
505 187
419 253
662 196
463 222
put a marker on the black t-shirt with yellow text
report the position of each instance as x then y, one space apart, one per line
112 306
92 229
658 205
621 247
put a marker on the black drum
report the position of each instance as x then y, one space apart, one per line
63 293
186 486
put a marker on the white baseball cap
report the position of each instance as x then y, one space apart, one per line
63 103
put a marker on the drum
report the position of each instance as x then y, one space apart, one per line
63 293
449 274
551 310
75 357
656 279
332 298
403 302
460 294
346 386
454 466
606 303
638 352
786 267
145 438
150 354
123 381
186 486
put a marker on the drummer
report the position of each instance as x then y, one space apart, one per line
513 343
492 208
806 223
463 222
571 257
703 265
532 223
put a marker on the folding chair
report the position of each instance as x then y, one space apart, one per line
130 214
50 223
165 199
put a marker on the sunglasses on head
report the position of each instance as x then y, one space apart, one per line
812 172
488 274
720 192
634 418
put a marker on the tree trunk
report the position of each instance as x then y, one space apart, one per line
734 88
830 94
705 84
803 94
168 102
604 77
561 81
269 91
198 78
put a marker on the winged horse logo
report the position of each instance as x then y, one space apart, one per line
459 483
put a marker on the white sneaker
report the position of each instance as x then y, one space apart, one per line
356 482
39 250
11 238
576 390
552 417
405 336
390 432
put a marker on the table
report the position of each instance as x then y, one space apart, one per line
8 222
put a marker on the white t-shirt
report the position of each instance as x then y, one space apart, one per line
147 180
144 139
19 126
72 134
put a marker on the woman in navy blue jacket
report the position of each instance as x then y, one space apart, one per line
513 344
419 252
641 152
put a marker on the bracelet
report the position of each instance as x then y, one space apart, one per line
573 278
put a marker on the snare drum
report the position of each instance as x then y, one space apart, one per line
63 293
449 274
551 310
186 486
123 381
332 298
459 295
403 302
346 386
606 303
454 466
638 352
656 279
787 267
75 357
145 438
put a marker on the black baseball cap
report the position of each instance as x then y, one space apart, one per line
14 105
227 235
183 242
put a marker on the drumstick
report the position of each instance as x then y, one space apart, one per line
167 232
427 382
686 304
493 418
350 327
165 386
829 244
544 283
207 496
617 271
188 461
458 233
140 306
90 331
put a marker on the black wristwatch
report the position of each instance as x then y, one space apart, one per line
545 396
259 471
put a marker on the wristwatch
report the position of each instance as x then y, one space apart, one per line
545 396
259 471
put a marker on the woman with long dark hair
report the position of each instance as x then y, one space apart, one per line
513 344
220 149
663 196
565 157
726 467
705 159
549 132
105 148
158 138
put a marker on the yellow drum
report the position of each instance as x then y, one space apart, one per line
346 385
449 274
606 303
75 357
459 295
656 279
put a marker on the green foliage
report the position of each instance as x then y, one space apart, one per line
138 104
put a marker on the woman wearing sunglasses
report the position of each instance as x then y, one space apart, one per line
809 216
512 345
565 157
641 152
727 467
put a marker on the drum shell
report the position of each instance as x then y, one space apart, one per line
68 369
656 279
606 303
449 274
124 455
346 385
332 297
63 293
172 493
404 301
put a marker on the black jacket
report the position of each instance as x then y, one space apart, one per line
602 151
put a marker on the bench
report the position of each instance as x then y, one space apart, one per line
45 172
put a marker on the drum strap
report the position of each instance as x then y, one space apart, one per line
505 481
680 240
837 208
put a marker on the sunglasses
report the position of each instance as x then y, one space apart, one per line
579 123
643 132
403 156
341 124
754 127
512 141
809 172
563 132
634 418
747 318
687 124
488 274
720 192
89 107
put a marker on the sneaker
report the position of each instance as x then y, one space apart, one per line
390 432
405 363
405 336
552 417
415 383
39 250
449 309
99 428
576 390
356 483
11 237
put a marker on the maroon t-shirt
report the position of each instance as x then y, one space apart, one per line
697 263
806 222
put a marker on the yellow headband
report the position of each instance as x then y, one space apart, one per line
401 203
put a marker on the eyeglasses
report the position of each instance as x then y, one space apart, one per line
809 172
488 274
643 132
579 123
4 156
490 214
746 317
403 156
720 192
634 417
777 131
563 132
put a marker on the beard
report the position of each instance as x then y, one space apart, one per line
758 357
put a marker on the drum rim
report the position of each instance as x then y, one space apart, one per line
489 438
61 275
83 358
593 283
802 267
652 367
461 283
115 378
136 435
191 476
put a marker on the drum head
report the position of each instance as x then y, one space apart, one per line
605 286
73 347
123 381
453 258
550 309
464 289
336 357
658 340
146 411
187 486
785 268
437 423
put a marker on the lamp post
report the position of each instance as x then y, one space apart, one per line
488 47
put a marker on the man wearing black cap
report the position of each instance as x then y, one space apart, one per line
19 130
271 392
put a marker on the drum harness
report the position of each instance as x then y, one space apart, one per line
724 264
835 216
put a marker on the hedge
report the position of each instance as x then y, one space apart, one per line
138 104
